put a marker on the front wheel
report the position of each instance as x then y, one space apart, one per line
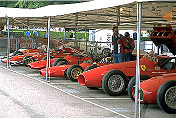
27 60
114 82
74 71
166 96
131 86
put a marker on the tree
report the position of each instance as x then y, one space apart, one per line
35 3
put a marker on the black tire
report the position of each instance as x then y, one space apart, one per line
91 67
167 91
45 58
62 63
92 88
27 60
132 83
106 51
73 72
109 79
58 60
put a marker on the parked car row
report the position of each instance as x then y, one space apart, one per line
157 72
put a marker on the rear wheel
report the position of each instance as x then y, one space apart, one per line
106 51
114 82
166 96
73 72
27 60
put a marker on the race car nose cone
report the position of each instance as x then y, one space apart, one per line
81 80
42 72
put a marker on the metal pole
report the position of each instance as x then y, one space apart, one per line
8 45
76 22
48 54
118 16
86 40
137 93
64 33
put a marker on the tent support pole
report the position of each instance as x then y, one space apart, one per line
8 45
118 16
48 53
76 22
86 40
137 93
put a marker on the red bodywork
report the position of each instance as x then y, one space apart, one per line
148 67
36 55
59 71
20 57
40 64
151 86
70 59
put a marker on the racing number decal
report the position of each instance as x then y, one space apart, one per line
143 67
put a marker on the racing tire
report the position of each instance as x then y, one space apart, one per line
92 88
62 63
27 60
73 72
114 82
131 85
166 97
58 60
91 67
106 51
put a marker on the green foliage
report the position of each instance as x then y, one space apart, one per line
34 4
53 34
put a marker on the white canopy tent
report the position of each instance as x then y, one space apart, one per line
99 14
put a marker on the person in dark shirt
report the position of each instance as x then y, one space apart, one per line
118 46
129 47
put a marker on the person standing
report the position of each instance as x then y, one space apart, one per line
118 43
129 47
35 34
28 34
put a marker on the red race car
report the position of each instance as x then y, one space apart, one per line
160 90
114 78
21 52
70 71
31 57
55 61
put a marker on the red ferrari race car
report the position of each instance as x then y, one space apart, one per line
68 59
21 52
160 90
70 71
114 78
28 58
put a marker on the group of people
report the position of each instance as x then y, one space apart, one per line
122 45
35 34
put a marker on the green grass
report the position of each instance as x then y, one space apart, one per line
53 34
